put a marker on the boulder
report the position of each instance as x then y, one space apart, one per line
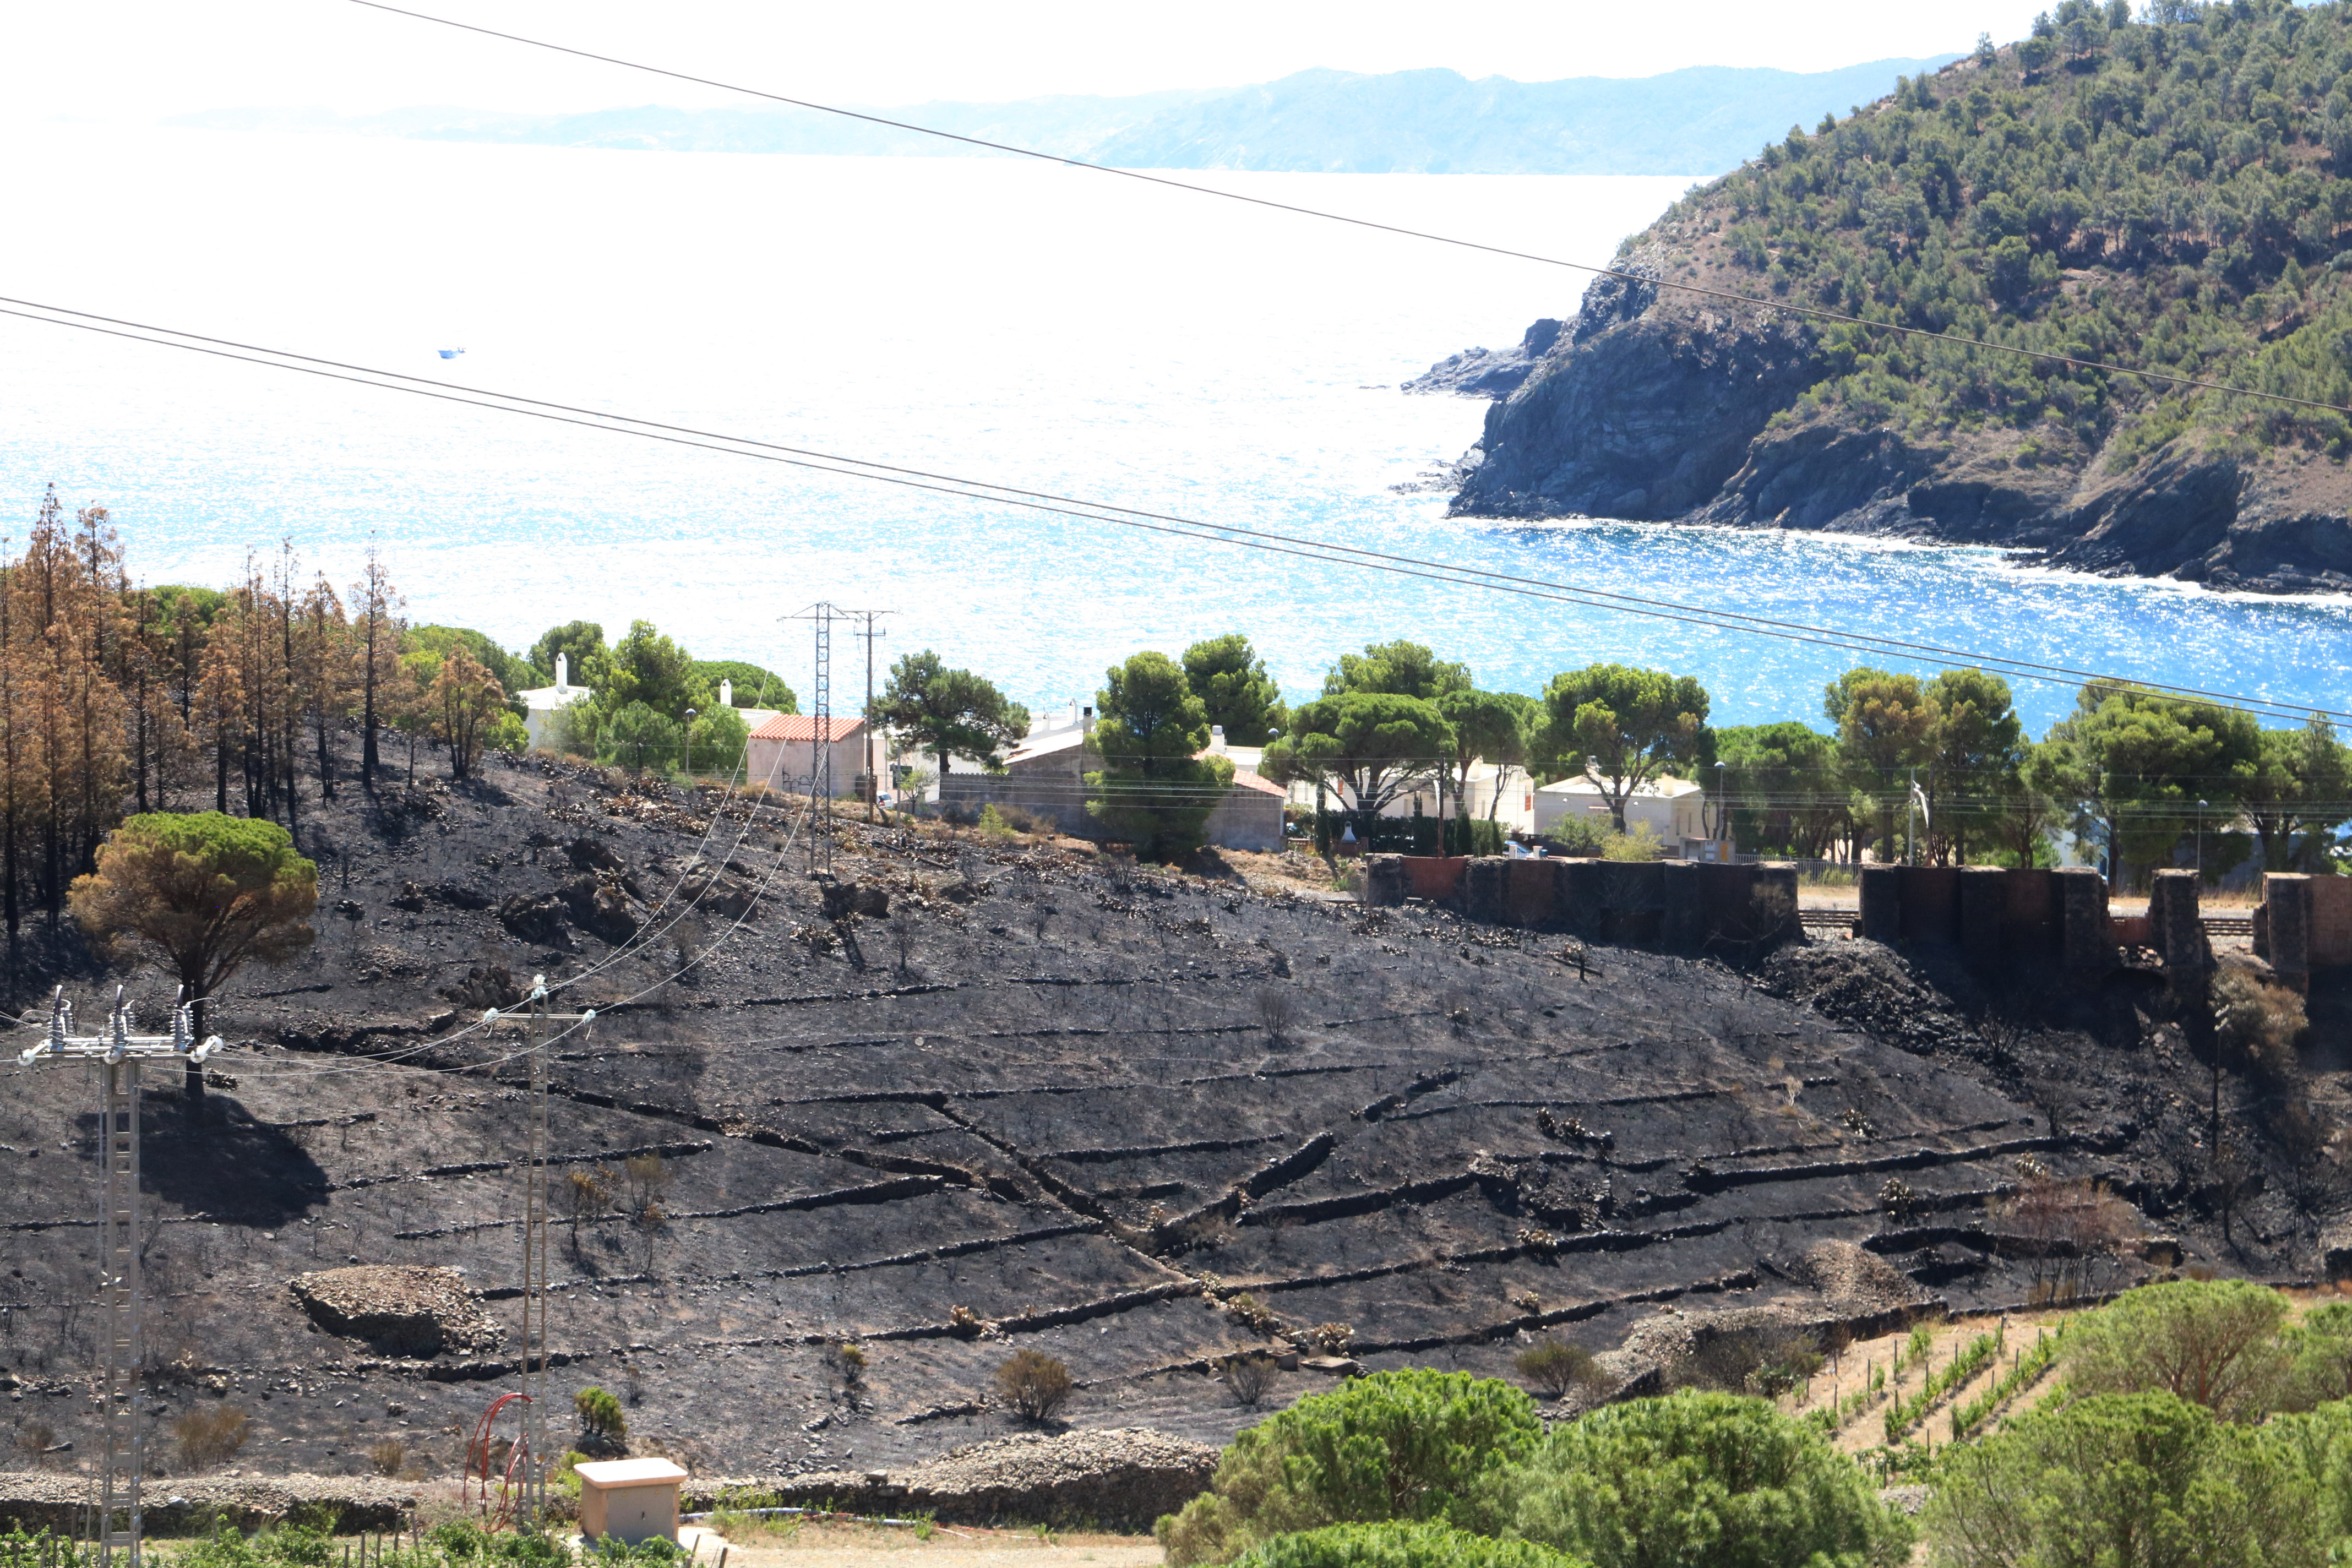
600 905
484 985
590 853
538 917
709 891
843 899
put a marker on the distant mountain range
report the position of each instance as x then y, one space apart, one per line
1699 121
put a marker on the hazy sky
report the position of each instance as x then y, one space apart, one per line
137 59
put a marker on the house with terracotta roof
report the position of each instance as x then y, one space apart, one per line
783 754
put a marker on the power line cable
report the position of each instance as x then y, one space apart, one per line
1865 641
1727 295
1325 551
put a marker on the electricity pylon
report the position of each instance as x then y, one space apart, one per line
116 1055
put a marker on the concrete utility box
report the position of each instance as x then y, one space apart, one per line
629 1499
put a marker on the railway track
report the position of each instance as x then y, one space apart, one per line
1839 921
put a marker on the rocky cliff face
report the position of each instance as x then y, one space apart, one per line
1688 412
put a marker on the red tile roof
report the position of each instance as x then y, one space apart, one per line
802 727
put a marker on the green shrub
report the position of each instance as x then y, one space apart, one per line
2319 1444
2319 1355
600 1414
2214 1343
1033 1384
1411 1445
1399 1546
2260 1022
2130 1479
286 1546
1556 1367
1702 1480
1641 842
638 738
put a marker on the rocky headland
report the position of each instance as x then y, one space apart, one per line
2006 198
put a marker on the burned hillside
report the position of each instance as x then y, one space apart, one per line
969 1098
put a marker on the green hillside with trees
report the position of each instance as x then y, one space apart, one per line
2164 190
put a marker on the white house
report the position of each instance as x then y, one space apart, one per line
782 752
540 706
1515 811
1675 809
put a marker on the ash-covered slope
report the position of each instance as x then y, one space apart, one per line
1069 1122
2165 196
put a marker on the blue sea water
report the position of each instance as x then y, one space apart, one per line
1025 324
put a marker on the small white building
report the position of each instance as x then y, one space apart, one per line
1675 809
1514 811
541 705
782 752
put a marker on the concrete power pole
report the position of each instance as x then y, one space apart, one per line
539 1454
116 1055
872 770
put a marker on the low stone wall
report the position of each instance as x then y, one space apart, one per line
190 1505
1117 1478
1677 903
1060 800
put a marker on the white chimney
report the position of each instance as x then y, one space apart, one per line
725 692
1217 738
1074 713
562 673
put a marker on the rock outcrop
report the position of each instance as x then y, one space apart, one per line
1688 411
1488 373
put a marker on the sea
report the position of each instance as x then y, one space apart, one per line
1022 323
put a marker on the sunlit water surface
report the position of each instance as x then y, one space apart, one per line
1043 327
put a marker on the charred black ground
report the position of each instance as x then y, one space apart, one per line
1067 1115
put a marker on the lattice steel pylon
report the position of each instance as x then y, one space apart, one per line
821 825
116 1055
821 768
538 1452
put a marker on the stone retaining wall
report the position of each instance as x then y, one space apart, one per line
2303 923
1677 903
1999 919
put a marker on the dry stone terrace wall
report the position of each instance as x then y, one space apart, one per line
1065 1117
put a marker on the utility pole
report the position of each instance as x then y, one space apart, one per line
872 771
116 1055
539 1454
1911 821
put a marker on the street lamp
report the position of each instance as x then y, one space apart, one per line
686 745
1722 803
2200 841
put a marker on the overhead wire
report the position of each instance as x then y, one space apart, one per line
363 1062
1234 534
1726 295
